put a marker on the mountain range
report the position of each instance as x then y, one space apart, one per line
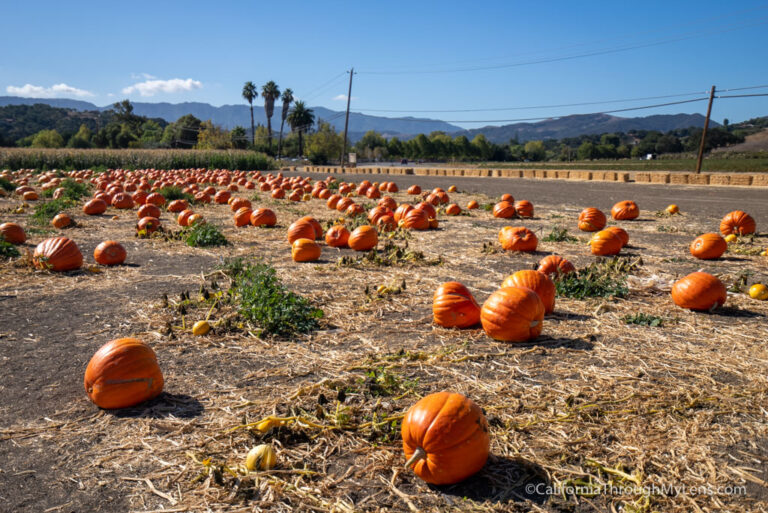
230 116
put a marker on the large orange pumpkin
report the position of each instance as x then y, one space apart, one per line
416 219
151 224
538 282
301 229
624 210
401 211
109 252
453 306
555 264
149 210
243 217
179 205
699 291
445 438
591 220
621 233
337 236
524 208
305 250
57 254
156 199
12 233
122 200
518 238
263 217
737 222
513 314
708 246
123 373
605 243
95 207
504 210
363 238
333 200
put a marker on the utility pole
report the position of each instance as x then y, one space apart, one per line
346 120
704 132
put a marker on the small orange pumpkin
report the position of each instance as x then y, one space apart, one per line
156 199
445 438
504 210
555 264
518 238
472 205
151 224
178 205
699 291
61 220
453 306
337 236
183 218
109 252
605 243
625 210
305 250
12 233
149 210
363 238
513 314
453 209
414 190
591 220
123 373
708 246
524 208
243 217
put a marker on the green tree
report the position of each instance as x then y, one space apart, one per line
250 93
668 143
183 132
238 137
212 137
482 147
324 144
82 139
47 139
301 120
586 151
270 92
287 98
535 151
151 134
395 147
612 139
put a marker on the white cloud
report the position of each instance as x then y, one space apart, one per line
33 91
342 97
153 87
145 76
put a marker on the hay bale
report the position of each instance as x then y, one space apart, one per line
659 177
622 177
720 179
678 178
760 180
695 179
741 179
563 175
643 177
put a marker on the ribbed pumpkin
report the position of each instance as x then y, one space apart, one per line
524 208
445 438
708 246
178 205
301 229
344 204
202 197
221 197
699 291
414 190
513 314
538 282
621 233
57 254
591 220
237 203
333 200
123 373
605 243
401 211
61 220
392 187
625 210
109 252
453 306
151 224
243 217
387 202
183 218
305 250
504 210
518 238
376 212
354 210
95 207
149 210
277 193
453 209
428 208
555 264
337 236
363 238
263 217
416 219
156 199
122 200
12 233
737 222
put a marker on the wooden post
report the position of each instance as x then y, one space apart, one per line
704 132
346 120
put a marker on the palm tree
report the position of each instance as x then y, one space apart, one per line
301 119
249 93
287 99
270 93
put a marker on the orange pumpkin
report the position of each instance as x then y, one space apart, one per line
508 198
333 200
12 233
472 205
57 254
392 187
363 238
453 306
344 204
109 253
401 211
183 218
156 199
151 224
518 238
221 197
387 202
377 212
243 217
237 203
301 229
453 209
305 250
337 236
737 222
708 246
263 217
524 208
621 233
354 210
428 208
414 190
122 200
149 210
591 220
605 243
416 219
178 205
538 282
699 291
386 223
555 264
61 221
445 438
625 210
95 207
123 373
202 197
278 193
513 314
504 210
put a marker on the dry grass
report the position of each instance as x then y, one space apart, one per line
594 402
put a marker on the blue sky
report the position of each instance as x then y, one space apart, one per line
499 56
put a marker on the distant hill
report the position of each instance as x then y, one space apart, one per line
585 124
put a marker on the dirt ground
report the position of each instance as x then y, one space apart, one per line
594 399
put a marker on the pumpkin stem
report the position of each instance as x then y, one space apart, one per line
418 454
